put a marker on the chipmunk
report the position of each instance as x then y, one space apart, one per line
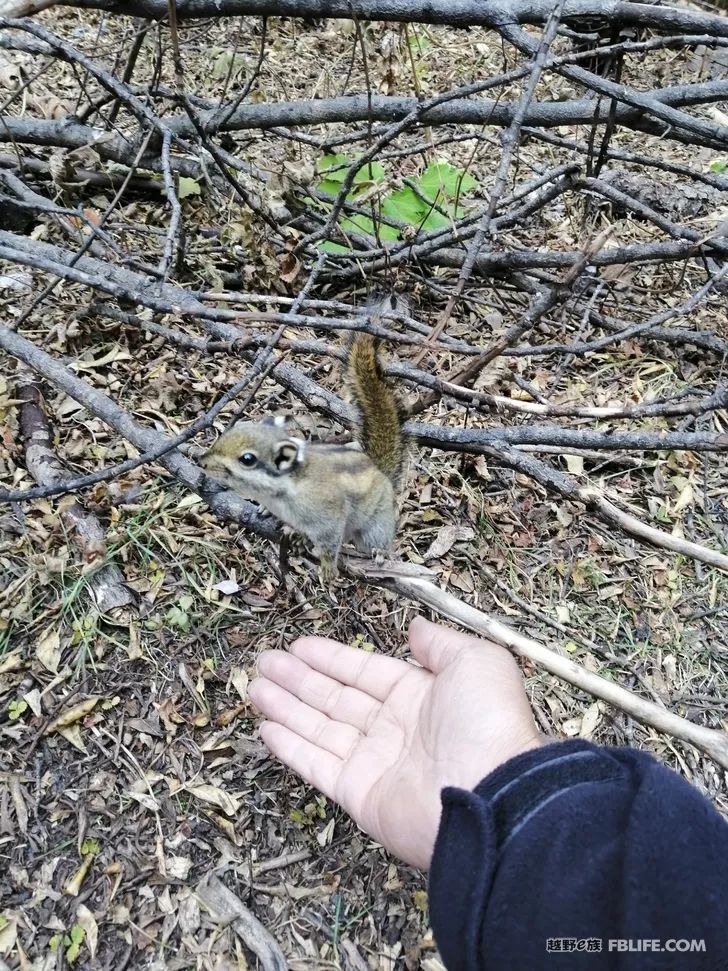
333 494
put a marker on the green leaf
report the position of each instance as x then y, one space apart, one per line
371 172
329 186
16 709
90 845
361 225
188 187
418 42
435 220
178 618
442 179
73 943
718 166
388 233
330 247
334 169
338 162
405 206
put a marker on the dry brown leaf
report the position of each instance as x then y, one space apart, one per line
145 799
171 718
610 590
72 734
462 581
229 715
86 920
9 72
178 867
590 721
446 538
685 499
227 826
239 679
73 714
35 701
227 909
218 797
48 650
353 960
21 811
188 911
575 464
325 836
571 727
133 647
12 662
228 587
563 614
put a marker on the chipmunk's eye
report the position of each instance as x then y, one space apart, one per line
248 459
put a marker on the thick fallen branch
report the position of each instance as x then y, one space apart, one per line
68 133
106 583
475 439
464 13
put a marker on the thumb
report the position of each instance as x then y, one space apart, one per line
436 647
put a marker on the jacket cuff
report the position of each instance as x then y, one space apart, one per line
475 828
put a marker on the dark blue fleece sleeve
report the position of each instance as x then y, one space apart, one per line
578 857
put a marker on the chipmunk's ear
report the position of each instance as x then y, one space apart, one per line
288 454
277 421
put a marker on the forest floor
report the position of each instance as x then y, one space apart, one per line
128 747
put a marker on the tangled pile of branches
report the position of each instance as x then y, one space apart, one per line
566 303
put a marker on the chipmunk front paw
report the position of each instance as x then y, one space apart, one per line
328 570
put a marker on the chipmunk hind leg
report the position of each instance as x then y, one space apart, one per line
376 535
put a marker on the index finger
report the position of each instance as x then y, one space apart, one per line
374 674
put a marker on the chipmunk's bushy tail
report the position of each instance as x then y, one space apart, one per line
381 413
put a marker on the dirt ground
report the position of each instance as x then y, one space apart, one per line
130 767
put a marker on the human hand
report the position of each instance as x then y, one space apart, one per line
382 737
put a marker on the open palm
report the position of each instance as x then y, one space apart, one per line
382 737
